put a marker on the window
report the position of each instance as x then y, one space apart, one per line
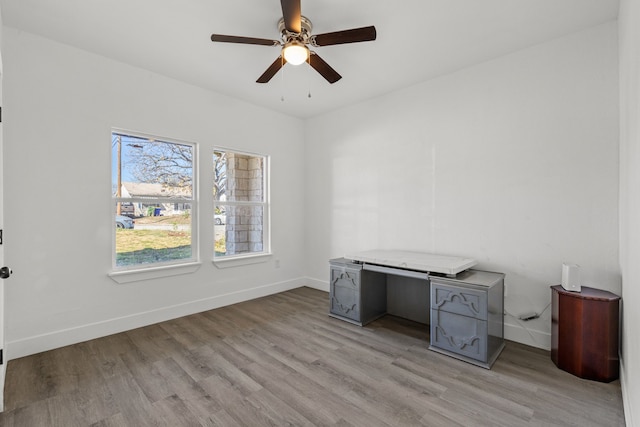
153 195
241 206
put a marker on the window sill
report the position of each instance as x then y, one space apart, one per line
236 261
153 272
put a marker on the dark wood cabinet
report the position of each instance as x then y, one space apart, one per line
584 332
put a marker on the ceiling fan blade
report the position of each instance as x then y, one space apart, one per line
244 40
291 13
272 70
323 68
354 35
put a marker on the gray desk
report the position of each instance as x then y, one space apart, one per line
463 307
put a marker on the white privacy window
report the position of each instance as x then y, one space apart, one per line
153 201
241 204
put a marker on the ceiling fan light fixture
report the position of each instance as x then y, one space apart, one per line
295 52
295 37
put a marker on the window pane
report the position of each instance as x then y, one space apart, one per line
238 230
153 191
219 175
148 168
153 239
238 177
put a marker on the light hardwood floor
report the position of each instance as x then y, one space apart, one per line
280 360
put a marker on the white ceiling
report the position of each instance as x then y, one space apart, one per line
417 40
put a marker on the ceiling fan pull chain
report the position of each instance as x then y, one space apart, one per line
309 74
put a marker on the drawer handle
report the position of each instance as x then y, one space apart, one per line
471 305
463 342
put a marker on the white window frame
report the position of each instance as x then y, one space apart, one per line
137 272
248 257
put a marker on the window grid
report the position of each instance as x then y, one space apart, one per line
241 204
158 190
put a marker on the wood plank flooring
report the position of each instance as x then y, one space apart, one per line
280 360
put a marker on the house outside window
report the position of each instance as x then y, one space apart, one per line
241 204
153 201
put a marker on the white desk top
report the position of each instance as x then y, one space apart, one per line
414 261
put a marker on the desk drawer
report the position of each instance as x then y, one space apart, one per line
344 292
458 334
459 300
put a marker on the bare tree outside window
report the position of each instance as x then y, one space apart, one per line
219 174
164 163
154 201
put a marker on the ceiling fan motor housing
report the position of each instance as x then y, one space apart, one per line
304 36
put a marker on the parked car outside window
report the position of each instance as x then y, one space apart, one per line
220 219
124 222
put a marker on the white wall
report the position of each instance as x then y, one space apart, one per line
3 365
60 105
513 162
629 23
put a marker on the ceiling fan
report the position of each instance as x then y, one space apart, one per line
295 31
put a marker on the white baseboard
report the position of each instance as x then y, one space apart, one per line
515 333
321 285
530 337
49 341
3 369
61 338
626 404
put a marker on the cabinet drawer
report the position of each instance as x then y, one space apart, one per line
458 334
459 300
344 292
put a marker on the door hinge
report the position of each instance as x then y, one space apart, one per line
1 358
0 236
